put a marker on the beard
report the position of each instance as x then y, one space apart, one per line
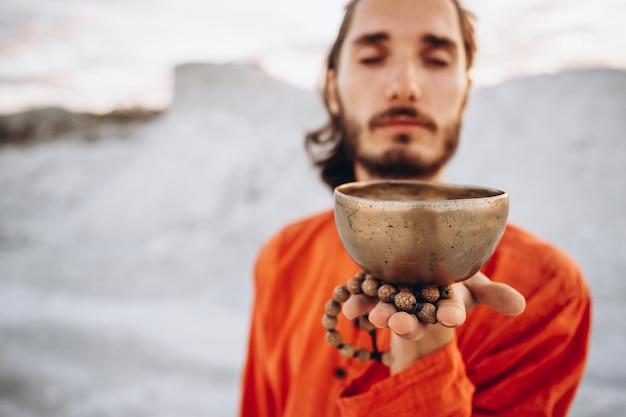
396 162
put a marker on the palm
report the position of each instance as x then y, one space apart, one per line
451 313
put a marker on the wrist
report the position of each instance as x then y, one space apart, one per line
406 352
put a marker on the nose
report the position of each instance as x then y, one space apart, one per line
404 84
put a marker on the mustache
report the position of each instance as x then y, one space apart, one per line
409 113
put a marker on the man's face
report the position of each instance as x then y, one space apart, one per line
401 86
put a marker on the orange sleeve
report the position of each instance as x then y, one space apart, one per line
530 365
538 368
257 397
437 385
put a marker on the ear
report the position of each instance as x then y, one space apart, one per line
331 93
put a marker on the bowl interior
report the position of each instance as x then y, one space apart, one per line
413 191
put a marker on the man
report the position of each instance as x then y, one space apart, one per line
396 87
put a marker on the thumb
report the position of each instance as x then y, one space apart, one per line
496 295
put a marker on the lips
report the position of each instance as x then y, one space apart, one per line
402 117
401 121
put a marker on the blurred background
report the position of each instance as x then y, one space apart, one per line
102 55
148 148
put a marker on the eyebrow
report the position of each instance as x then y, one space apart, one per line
371 38
439 42
431 41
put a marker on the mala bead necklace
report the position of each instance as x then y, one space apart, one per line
419 301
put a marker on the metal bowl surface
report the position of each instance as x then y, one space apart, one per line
419 232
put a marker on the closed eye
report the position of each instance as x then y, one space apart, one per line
371 60
435 62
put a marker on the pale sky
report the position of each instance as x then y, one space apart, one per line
106 54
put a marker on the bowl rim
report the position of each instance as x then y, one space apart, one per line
494 193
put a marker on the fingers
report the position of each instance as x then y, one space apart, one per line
406 326
384 315
500 297
358 305
381 314
451 312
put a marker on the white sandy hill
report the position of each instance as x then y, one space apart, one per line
125 263
556 144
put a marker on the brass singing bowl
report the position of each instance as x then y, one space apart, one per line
419 233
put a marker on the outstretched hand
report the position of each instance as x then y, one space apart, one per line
411 339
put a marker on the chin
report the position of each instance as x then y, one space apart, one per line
403 139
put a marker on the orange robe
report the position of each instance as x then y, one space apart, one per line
526 366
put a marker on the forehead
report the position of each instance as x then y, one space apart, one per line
406 19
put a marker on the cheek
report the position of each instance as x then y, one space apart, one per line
354 102
358 92
359 100
449 97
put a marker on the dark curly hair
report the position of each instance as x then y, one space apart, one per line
327 146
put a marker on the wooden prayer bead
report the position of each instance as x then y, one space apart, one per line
333 337
386 358
363 355
370 286
405 301
341 293
430 294
366 325
347 350
446 291
332 308
420 301
354 284
386 292
427 314
328 322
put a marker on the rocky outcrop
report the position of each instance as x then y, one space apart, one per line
53 123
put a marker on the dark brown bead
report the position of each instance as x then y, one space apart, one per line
446 291
386 293
347 350
370 286
333 337
405 301
332 308
366 325
354 284
430 294
329 322
427 314
341 293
